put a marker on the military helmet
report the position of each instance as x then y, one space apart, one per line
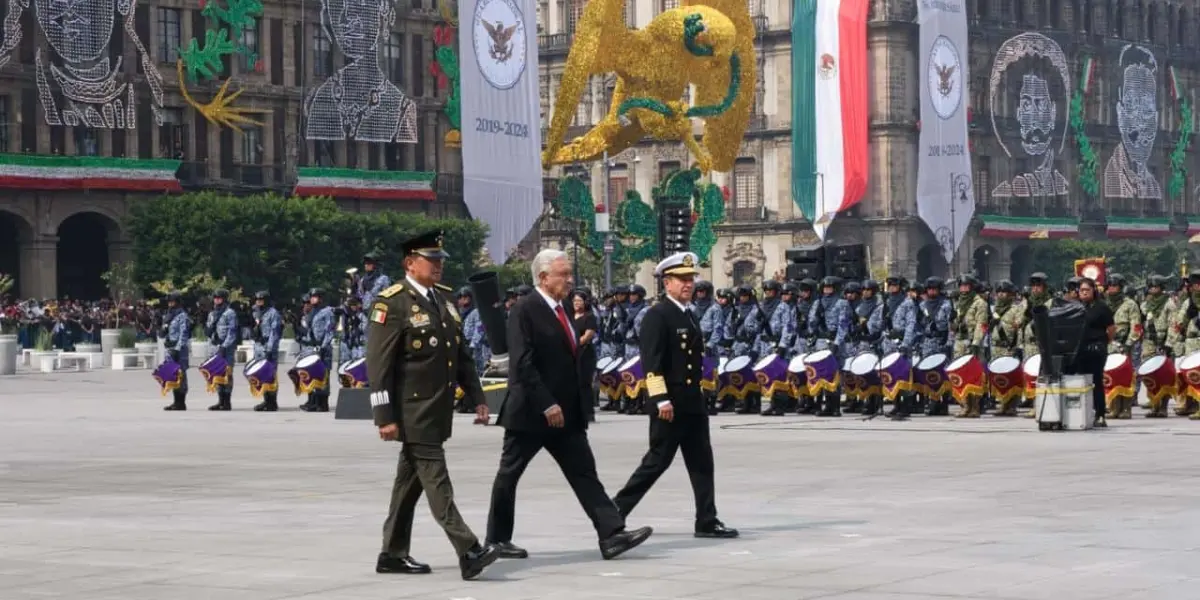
808 283
1038 278
871 284
725 293
704 286
1073 283
913 286
464 292
771 284
510 293
745 290
934 283
891 280
852 287
174 296
790 288
829 281
1006 286
262 295
221 293
524 290
1156 281
637 289
1194 276
318 292
968 279
1114 279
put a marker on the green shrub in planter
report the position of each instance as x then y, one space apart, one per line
44 341
127 338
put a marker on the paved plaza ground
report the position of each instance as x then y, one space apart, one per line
103 496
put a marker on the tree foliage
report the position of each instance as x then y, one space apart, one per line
284 245
1134 260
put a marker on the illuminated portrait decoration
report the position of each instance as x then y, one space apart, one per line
79 86
358 102
1127 174
1030 76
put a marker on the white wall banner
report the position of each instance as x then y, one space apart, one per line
945 195
501 138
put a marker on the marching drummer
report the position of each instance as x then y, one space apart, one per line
222 333
268 329
783 320
713 322
1008 316
828 326
178 342
1127 317
319 339
1185 333
933 323
796 337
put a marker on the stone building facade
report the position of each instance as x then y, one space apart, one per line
763 221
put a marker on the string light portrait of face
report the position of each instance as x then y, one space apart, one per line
358 102
1030 72
1127 174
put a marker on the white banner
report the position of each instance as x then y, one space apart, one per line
501 139
945 195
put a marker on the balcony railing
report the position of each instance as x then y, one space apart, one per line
554 42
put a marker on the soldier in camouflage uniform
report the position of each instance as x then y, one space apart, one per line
1008 316
798 339
742 325
712 325
1158 308
933 323
828 326
768 336
782 321
1039 295
1127 317
898 316
969 326
1185 337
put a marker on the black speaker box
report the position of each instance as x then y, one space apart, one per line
805 254
805 270
850 271
848 253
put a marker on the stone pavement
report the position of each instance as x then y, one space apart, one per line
104 496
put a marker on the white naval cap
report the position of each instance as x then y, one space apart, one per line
680 263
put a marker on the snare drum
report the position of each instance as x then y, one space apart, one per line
966 377
865 369
610 379
771 375
708 380
797 376
1118 377
895 375
739 374
822 371
633 378
1033 370
930 377
1007 379
1157 374
1189 371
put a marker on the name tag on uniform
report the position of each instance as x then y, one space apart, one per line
419 320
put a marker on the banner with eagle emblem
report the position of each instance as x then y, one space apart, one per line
945 192
501 118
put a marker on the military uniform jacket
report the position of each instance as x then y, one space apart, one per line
672 348
1158 311
1127 316
415 351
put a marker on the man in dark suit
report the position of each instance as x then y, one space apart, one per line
546 408
414 353
672 347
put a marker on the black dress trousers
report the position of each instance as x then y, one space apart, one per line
687 433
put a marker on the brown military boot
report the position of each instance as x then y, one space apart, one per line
1187 408
1129 404
972 409
1158 409
1007 408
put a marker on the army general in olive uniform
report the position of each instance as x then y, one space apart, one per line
415 352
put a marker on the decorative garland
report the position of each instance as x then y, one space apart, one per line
1179 153
1088 160
445 69
635 224
202 63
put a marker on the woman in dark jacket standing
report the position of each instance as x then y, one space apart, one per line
583 319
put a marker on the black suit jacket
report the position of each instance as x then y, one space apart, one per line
542 370
673 348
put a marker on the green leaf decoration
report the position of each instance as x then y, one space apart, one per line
1087 155
1179 154
237 14
710 208
206 62
447 59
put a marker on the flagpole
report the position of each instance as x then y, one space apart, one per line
953 225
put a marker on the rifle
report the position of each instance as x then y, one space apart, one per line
765 322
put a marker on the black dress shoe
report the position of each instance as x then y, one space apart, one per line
510 550
406 565
622 542
717 530
476 560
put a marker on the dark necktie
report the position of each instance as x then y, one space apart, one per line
562 319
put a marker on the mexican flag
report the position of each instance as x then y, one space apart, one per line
829 107
1027 228
46 172
1126 227
360 183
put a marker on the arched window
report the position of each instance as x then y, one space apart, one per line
743 272
574 13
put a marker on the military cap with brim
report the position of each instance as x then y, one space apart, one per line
428 245
680 263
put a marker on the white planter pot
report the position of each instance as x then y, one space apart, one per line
89 348
43 360
8 354
108 340
117 359
288 349
150 348
200 351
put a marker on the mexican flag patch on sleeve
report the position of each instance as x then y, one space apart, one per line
379 313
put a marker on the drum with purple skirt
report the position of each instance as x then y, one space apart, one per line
739 377
709 378
633 378
865 369
610 378
261 374
309 374
772 376
353 374
797 376
169 376
895 375
823 372
930 376
215 371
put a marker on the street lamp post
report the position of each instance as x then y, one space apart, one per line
608 243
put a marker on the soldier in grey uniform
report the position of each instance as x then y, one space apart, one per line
637 303
828 327
268 329
702 299
476 339
373 280
319 338
612 326
933 321
743 324
712 324
783 322
899 319
222 330
354 331
178 338
768 336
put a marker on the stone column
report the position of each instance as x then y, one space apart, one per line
39 267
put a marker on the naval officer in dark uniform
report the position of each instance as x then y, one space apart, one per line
415 351
672 350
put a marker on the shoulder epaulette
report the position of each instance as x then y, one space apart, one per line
392 291
444 288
